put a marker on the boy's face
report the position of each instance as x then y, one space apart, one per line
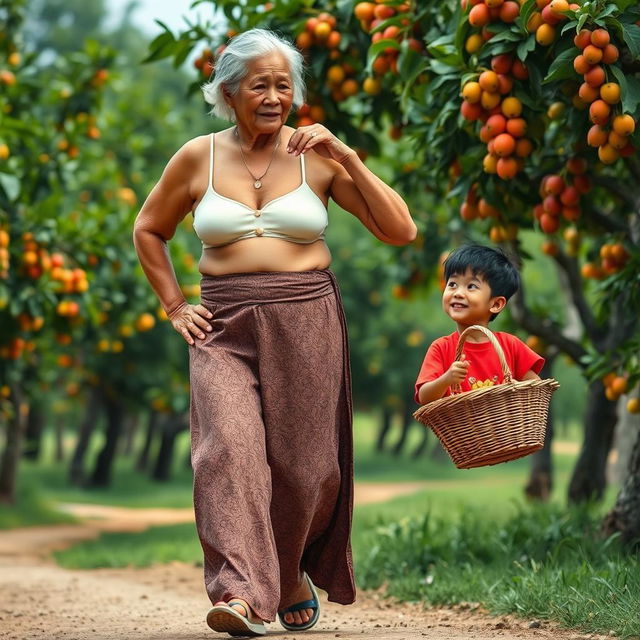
467 300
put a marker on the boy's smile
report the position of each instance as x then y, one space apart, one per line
467 300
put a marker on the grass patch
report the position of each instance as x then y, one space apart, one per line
157 545
31 509
540 561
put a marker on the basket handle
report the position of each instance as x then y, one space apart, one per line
506 372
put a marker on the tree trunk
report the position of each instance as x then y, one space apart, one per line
540 481
76 466
101 476
33 431
152 426
385 427
424 444
589 476
131 428
625 515
172 426
627 427
407 423
58 431
11 454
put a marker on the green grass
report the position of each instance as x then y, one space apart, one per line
30 509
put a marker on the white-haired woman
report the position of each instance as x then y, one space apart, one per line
270 388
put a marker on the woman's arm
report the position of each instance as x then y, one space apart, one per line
356 189
167 204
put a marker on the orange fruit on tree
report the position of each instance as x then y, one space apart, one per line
479 15
505 83
472 92
490 163
625 125
519 70
333 40
610 92
559 6
600 38
473 43
511 107
554 185
517 127
580 64
633 405
619 385
487 210
599 112
556 110
507 167
548 223
489 100
607 154
509 11
496 124
534 21
617 141
470 111
488 81
322 31
364 11
582 39
349 87
576 165
610 54
592 54
597 136
545 34
524 147
588 93
468 211
595 76
335 74
501 63
504 145
304 40
371 86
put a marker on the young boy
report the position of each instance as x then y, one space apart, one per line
478 282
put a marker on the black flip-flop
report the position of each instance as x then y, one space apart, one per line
312 603
223 617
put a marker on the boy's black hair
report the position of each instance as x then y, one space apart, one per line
492 264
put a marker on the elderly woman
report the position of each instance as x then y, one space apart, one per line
270 388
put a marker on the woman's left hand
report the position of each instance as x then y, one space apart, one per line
322 141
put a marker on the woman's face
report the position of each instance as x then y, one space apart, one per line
265 95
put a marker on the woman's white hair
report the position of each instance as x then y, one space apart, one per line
231 68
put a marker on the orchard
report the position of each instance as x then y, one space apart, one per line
521 121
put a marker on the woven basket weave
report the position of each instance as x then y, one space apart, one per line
492 424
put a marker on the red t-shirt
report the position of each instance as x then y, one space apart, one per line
484 365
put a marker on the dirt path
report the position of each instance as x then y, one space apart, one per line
167 602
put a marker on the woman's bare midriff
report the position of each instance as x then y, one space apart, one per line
264 254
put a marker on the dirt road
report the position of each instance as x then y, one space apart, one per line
39 600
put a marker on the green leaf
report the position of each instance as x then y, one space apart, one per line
583 18
525 13
562 66
10 185
631 35
630 95
526 47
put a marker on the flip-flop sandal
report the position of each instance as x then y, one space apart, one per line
223 618
312 603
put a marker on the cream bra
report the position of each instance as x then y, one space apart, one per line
297 216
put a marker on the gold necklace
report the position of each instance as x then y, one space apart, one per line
256 180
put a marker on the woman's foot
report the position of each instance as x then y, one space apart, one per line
236 618
301 617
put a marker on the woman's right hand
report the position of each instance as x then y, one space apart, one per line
191 320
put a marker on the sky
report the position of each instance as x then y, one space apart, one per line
169 11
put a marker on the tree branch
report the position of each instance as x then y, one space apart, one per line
544 328
607 222
613 186
570 267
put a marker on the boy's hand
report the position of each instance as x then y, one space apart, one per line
458 371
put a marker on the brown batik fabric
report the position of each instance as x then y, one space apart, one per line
271 435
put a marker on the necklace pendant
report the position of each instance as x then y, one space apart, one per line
257 184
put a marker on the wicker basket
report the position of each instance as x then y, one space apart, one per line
492 424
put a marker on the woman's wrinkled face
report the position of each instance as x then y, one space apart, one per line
265 95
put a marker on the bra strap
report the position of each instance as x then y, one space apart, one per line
211 161
304 173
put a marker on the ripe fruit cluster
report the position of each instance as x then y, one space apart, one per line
561 196
4 254
341 81
504 128
482 13
70 280
320 31
474 208
614 386
549 15
35 259
601 97
371 16
15 348
205 63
